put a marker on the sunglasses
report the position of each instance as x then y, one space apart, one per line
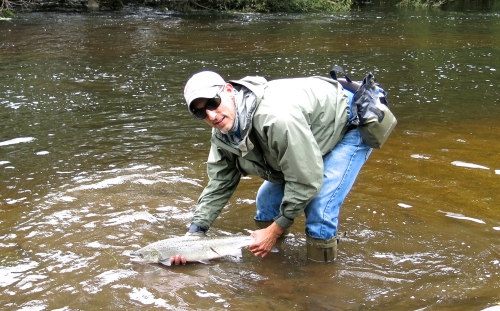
211 104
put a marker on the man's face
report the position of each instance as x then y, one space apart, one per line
223 117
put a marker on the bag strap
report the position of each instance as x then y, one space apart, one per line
339 69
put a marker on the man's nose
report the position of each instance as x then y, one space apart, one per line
211 114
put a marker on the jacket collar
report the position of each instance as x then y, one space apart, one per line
257 85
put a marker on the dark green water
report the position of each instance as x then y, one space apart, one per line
98 156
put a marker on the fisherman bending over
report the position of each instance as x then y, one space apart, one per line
293 133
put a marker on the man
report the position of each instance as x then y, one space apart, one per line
296 135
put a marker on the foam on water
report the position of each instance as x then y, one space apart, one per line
372 276
17 141
94 286
103 184
205 294
460 216
168 177
132 217
142 295
469 165
419 156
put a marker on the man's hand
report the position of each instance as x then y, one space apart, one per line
177 260
265 239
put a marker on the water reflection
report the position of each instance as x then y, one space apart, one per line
99 157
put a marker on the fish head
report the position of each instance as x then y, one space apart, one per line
151 255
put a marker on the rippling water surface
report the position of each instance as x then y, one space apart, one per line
98 157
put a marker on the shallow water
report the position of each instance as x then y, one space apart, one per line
98 157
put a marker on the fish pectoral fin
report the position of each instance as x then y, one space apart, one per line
274 250
204 261
236 253
166 262
215 251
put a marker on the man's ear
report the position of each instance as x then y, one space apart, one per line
229 88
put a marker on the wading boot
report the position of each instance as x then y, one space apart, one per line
320 250
264 224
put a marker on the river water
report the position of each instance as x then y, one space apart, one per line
98 157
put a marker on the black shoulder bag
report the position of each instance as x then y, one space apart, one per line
371 113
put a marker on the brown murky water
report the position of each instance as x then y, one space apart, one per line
98 156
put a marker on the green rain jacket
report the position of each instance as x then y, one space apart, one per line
296 122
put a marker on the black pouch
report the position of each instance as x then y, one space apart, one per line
371 113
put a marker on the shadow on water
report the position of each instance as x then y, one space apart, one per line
99 157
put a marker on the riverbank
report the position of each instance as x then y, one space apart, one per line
262 6
9 8
18 6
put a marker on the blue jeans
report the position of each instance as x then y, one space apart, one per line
342 166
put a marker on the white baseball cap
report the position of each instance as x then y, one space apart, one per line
204 84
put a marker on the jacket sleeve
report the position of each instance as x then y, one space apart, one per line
301 162
223 180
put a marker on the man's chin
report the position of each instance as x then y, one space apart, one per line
224 126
